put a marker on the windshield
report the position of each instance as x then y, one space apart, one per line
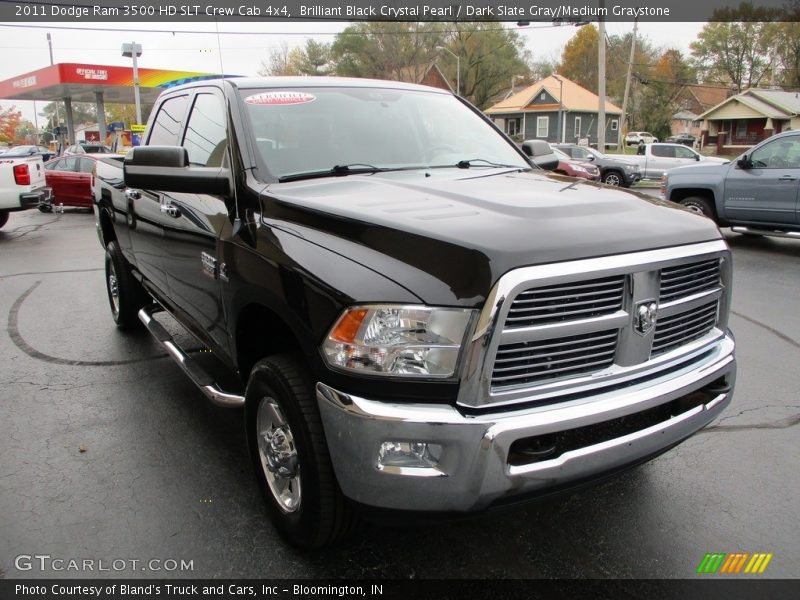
316 129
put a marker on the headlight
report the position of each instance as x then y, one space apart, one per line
579 169
407 341
631 168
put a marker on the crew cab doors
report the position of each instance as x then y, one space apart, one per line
188 226
768 189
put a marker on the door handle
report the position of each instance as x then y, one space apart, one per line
170 210
786 178
132 194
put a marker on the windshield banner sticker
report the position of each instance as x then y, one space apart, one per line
280 98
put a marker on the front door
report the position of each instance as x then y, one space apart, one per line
191 238
767 192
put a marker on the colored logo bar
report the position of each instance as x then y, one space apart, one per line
735 563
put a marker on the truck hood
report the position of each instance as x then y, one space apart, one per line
447 235
715 169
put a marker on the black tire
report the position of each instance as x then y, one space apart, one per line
699 205
125 294
291 460
45 208
3 218
614 178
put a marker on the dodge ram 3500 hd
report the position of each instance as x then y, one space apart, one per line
423 320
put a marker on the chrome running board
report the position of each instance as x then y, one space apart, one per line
795 235
190 366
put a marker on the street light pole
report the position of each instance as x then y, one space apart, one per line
133 51
458 67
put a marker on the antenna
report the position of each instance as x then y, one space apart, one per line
219 49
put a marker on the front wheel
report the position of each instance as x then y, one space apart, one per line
288 449
125 295
613 178
699 205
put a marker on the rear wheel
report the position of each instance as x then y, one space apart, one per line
288 449
3 218
45 207
125 295
699 205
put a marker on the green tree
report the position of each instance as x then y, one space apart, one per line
737 47
657 94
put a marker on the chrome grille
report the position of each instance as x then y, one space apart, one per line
585 299
533 362
679 329
685 280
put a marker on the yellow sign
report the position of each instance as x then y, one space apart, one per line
138 128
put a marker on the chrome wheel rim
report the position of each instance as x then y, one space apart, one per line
695 209
278 455
612 180
113 286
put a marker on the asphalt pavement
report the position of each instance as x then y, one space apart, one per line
107 453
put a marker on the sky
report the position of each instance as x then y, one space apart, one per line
239 48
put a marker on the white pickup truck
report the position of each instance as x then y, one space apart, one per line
655 159
22 184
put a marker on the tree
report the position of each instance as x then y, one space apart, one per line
737 47
10 119
658 91
278 62
787 44
490 57
579 58
313 59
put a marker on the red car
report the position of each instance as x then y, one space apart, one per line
72 181
575 168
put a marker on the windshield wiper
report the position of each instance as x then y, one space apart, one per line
334 171
466 164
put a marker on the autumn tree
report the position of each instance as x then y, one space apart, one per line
737 46
657 92
579 58
10 119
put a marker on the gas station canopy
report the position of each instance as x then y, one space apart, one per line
82 83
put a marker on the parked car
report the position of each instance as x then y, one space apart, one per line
613 171
22 184
655 159
576 168
30 150
634 138
72 180
428 325
755 194
87 148
686 139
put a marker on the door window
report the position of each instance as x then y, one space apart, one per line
86 165
206 138
684 153
663 151
169 119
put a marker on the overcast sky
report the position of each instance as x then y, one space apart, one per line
196 47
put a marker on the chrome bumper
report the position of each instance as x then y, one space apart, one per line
474 470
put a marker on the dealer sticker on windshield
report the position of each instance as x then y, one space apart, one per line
282 98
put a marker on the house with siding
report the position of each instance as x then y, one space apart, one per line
693 100
424 74
555 109
744 120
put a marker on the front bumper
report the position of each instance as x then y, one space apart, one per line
476 470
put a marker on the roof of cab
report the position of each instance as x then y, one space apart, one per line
305 82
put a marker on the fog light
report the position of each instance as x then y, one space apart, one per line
408 457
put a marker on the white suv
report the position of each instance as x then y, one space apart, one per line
639 137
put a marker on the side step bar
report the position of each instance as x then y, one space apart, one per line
795 235
195 372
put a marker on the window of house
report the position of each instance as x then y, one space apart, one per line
577 127
614 124
542 126
741 128
543 96
512 126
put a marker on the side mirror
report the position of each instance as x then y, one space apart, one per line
697 157
167 168
744 162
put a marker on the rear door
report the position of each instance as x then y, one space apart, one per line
196 222
767 192
147 208
65 180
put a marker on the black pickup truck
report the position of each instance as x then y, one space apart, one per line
420 319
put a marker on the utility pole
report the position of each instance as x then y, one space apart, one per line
624 120
601 80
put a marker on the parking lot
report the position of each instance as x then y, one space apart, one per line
109 453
